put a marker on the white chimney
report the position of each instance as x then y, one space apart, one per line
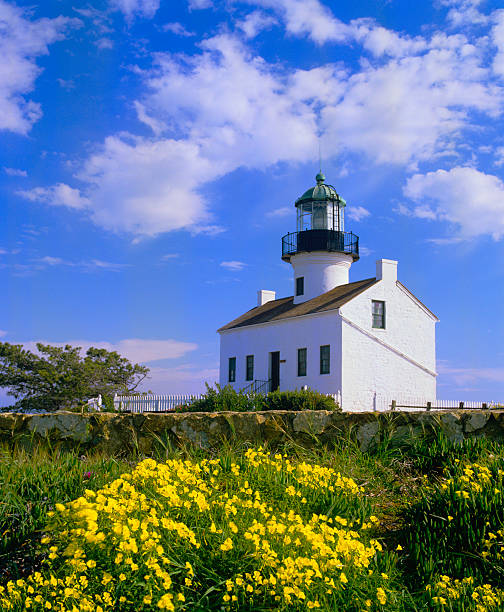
264 296
386 270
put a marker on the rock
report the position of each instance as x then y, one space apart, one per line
452 425
312 422
368 435
60 426
476 421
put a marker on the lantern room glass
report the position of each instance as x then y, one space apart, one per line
323 214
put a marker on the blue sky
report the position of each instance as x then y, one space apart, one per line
152 151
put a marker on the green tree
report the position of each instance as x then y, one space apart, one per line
60 377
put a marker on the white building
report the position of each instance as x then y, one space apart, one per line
370 340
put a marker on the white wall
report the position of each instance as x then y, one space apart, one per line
371 368
286 336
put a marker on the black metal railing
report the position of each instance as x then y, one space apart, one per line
320 240
258 386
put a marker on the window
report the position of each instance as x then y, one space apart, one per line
249 370
301 362
325 359
232 369
300 285
378 314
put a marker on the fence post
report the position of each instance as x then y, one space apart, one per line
429 405
461 405
394 404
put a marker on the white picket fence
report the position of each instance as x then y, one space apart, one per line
152 403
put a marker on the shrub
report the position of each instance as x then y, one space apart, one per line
226 398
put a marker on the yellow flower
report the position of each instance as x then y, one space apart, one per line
226 545
381 596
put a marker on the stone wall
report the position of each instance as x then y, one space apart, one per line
121 433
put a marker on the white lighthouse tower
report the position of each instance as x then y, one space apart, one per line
320 251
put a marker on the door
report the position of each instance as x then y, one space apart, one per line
275 370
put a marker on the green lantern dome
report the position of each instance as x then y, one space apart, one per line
321 191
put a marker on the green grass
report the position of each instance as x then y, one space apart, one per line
413 490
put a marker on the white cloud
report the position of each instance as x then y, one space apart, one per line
66 84
15 172
134 8
381 41
104 43
365 251
499 156
200 4
3 333
56 195
472 200
184 379
464 13
284 211
148 187
256 22
233 265
51 261
135 349
177 28
357 213
307 17
464 376
498 41
21 41
225 108
170 256
156 126
413 108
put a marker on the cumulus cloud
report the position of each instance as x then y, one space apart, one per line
357 213
147 186
284 211
307 18
256 22
464 376
236 266
225 107
177 29
498 41
200 4
135 349
499 156
22 41
56 195
134 8
185 378
410 109
381 41
15 172
466 197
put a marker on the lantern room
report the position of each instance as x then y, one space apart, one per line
320 208
320 224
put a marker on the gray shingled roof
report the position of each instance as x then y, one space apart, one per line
284 308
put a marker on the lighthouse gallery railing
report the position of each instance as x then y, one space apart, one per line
320 240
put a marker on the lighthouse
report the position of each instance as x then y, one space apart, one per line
366 342
320 251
